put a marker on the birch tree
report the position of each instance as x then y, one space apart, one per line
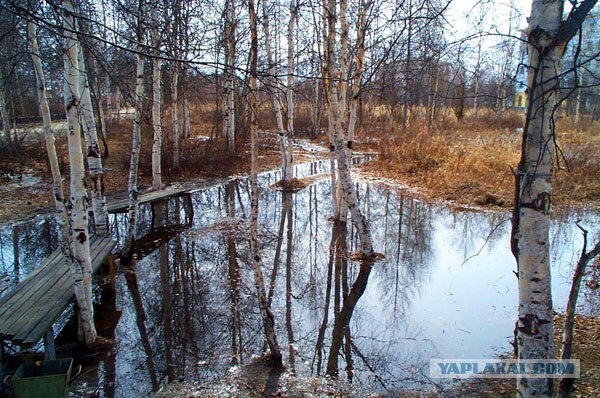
93 156
4 113
287 149
229 122
335 112
175 36
265 309
276 101
547 37
138 102
81 264
57 183
156 99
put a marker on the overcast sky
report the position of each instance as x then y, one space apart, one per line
463 15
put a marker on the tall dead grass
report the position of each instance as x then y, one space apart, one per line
470 162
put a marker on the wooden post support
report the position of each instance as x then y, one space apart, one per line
1 352
153 207
49 346
189 208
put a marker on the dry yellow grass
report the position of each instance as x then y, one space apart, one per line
470 163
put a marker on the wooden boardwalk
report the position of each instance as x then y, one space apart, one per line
121 205
28 311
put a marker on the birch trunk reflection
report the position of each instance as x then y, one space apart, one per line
233 279
140 318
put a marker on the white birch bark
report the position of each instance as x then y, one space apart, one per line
156 98
138 99
327 89
229 123
265 309
93 157
57 183
343 95
531 221
288 150
343 164
81 266
175 114
276 101
359 69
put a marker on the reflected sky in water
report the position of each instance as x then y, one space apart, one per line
445 288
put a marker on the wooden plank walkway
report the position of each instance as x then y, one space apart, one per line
28 311
121 205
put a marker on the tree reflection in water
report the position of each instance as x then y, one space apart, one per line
188 302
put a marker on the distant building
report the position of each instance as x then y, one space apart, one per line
587 74
520 97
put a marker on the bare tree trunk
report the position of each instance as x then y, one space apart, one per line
175 114
265 310
314 109
328 87
547 36
566 385
434 97
289 150
156 98
117 104
342 98
57 183
407 68
4 114
93 156
137 138
359 69
578 99
229 125
185 40
102 118
187 126
276 89
81 263
108 100
343 166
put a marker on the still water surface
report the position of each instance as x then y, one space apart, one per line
445 288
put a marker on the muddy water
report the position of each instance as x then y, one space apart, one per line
445 288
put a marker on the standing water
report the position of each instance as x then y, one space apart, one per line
186 307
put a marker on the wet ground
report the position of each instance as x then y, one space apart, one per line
186 309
